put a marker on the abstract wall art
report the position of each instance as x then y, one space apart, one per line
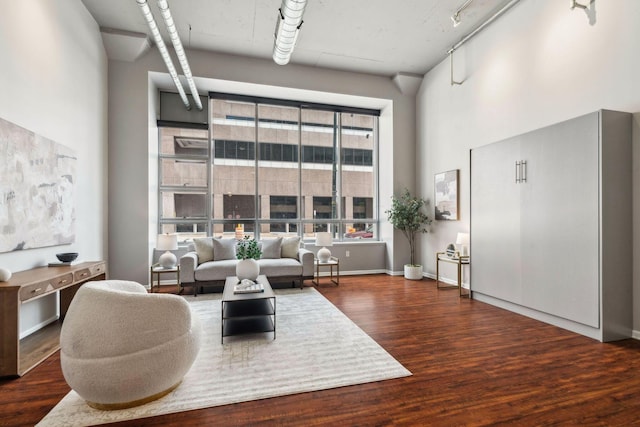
446 197
37 179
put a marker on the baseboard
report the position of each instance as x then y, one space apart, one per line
635 334
39 326
352 273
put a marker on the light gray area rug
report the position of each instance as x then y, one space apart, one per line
316 347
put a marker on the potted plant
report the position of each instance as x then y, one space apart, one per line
248 252
407 216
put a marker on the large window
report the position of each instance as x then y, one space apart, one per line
272 168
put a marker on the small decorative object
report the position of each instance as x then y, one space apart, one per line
247 286
446 189
324 239
5 274
248 252
407 216
167 242
67 256
451 250
239 231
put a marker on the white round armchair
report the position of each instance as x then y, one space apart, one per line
121 346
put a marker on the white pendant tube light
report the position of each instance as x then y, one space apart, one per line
144 7
287 29
177 45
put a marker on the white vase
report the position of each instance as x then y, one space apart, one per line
247 269
5 274
413 272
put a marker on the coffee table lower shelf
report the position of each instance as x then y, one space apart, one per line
248 313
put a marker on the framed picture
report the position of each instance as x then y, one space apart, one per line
446 197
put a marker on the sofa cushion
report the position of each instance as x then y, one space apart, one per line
289 247
280 267
216 270
204 249
271 248
224 249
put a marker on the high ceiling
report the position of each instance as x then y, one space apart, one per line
381 37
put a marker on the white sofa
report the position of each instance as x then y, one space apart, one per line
213 260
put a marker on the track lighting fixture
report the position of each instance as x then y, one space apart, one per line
456 15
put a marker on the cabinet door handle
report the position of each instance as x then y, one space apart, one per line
517 172
523 164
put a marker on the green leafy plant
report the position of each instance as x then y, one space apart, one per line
248 248
407 216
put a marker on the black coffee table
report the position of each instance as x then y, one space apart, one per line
250 312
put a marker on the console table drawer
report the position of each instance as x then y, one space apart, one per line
86 273
61 281
36 289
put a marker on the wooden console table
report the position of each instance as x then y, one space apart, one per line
18 356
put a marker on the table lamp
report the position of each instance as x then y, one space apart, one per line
167 242
324 239
463 241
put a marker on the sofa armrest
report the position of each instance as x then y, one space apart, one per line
306 258
188 264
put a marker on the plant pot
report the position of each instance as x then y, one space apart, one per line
413 272
247 269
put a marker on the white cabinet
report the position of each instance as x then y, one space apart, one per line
541 224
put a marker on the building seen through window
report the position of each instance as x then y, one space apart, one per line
270 170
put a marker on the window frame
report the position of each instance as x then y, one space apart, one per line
339 224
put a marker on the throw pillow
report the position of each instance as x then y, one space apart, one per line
224 249
290 246
271 248
204 249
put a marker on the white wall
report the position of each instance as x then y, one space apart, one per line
539 64
53 81
130 135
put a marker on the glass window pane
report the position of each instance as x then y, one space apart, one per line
358 178
186 231
183 205
233 129
319 172
183 172
278 172
183 142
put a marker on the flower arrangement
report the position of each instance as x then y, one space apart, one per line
248 249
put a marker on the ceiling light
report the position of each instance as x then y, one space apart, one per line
287 29
456 19
456 15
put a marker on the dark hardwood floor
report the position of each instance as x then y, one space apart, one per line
472 364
